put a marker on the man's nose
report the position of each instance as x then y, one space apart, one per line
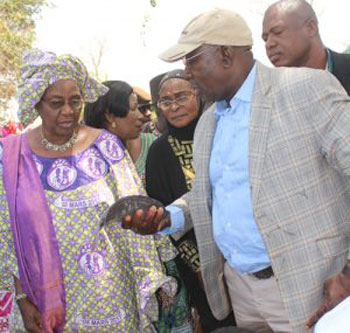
270 42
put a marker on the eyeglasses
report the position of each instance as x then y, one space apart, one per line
181 100
57 104
143 108
187 61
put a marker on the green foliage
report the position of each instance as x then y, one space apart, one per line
153 3
16 35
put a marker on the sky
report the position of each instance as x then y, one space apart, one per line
131 33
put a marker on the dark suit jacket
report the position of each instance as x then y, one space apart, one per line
341 68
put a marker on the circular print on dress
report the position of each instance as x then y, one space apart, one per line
111 148
61 175
92 164
91 262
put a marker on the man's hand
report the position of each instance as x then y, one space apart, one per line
336 290
30 315
146 223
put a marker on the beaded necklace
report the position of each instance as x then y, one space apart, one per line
53 147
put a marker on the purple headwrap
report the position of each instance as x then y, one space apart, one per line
40 70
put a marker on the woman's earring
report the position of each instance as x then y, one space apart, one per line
114 125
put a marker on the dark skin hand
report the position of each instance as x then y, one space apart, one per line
146 223
30 315
336 289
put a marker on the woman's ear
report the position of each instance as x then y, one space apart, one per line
109 118
110 121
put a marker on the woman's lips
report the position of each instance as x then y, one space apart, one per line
178 117
66 124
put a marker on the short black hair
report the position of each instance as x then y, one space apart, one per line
115 102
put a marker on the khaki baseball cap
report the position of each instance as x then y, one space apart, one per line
216 27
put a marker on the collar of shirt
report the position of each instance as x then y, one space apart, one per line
329 63
244 93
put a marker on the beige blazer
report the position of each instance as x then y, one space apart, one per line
299 160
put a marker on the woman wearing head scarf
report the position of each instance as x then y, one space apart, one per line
57 180
169 172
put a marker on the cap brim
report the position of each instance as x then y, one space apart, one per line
178 51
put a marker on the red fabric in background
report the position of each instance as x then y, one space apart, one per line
6 300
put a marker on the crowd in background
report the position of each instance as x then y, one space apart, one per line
102 141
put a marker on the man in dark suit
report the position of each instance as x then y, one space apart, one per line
292 39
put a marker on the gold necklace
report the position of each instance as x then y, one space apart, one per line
53 147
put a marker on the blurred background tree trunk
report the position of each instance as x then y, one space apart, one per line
16 35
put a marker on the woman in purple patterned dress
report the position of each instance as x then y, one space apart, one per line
117 111
56 182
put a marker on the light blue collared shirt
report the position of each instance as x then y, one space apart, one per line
177 220
235 230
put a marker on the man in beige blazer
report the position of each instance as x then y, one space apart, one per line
298 166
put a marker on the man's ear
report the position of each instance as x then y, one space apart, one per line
227 56
311 27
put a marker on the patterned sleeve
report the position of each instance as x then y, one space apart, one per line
8 262
149 273
142 251
129 182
